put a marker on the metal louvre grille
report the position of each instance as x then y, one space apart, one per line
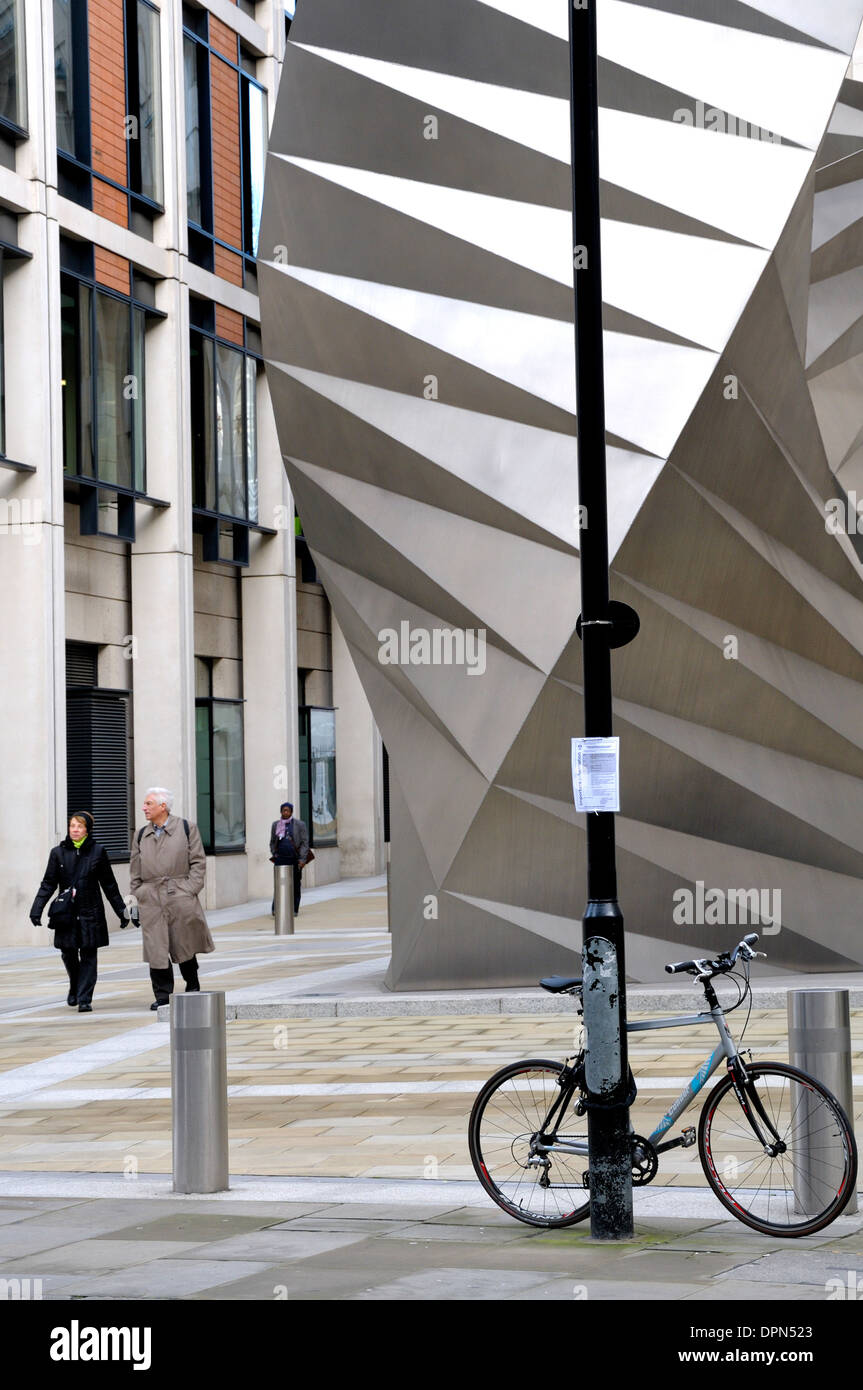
97 776
81 666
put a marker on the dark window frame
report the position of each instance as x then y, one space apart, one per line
204 228
208 831
90 484
209 520
202 237
74 167
305 787
89 690
82 153
9 127
248 234
139 200
11 256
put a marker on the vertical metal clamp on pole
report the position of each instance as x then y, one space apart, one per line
283 895
199 1092
819 1042
602 625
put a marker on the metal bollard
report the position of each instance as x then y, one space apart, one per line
283 898
819 1042
199 1092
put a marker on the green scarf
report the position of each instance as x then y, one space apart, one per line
79 843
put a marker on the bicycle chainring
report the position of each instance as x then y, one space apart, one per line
645 1161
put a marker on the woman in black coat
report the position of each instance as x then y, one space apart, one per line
82 862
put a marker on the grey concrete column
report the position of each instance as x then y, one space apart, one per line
359 769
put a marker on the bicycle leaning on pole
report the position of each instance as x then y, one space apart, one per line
776 1147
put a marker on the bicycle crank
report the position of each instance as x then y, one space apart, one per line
645 1163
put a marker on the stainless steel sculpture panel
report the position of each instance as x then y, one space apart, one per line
416 276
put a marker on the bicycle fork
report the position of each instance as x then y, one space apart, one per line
750 1102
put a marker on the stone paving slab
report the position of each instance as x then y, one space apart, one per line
170 1278
282 1245
94 1256
750 1291
283 1251
193 1226
811 1266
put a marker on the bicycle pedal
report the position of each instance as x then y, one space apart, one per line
687 1137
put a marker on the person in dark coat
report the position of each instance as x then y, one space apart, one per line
289 844
81 861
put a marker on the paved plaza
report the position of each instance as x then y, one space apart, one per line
348 1146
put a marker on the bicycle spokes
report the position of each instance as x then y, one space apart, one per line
520 1127
794 1176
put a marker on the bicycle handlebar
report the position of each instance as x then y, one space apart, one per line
719 965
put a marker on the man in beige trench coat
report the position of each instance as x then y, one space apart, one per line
167 872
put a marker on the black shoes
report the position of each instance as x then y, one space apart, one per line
85 1008
157 1004
71 999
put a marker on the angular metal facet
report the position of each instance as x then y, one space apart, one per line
416 269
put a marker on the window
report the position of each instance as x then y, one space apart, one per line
253 111
211 210
221 803
13 89
318 774
143 81
97 749
71 79
199 195
224 438
103 385
104 389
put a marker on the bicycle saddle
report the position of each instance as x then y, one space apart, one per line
556 984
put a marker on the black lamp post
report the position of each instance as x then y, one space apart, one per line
602 625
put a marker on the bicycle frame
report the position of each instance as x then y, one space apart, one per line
725 1048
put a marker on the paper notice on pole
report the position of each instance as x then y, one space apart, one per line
596 774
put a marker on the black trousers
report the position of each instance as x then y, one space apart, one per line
163 980
81 967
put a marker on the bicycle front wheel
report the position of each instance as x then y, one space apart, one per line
807 1178
508 1114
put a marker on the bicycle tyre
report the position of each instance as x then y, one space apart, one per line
799 1186
514 1109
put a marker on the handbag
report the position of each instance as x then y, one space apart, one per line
62 913
308 859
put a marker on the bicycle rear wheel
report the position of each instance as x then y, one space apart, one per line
510 1110
806 1184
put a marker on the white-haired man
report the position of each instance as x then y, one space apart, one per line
167 872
